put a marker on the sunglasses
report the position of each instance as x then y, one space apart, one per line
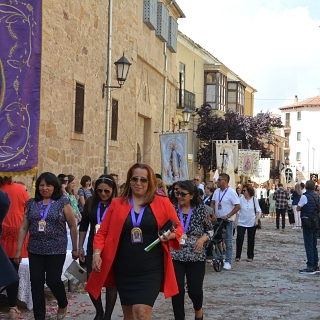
106 191
244 190
66 180
175 189
181 194
195 179
142 180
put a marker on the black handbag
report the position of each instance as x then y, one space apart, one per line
255 212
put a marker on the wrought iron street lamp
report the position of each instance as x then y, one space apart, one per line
186 115
122 69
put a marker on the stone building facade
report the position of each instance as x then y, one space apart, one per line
74 55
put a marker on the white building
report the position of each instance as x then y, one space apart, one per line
301 122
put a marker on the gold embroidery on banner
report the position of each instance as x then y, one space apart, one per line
2 85
18 57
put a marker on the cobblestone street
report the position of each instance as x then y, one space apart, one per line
268 288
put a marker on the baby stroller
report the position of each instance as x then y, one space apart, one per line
219 228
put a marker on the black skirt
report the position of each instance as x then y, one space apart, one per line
139 274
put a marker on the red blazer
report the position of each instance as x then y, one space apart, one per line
107 240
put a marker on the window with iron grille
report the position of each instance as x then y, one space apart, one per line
114 120
79 108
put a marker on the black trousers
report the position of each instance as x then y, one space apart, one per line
46 269
281 212
241 231
12 290
194 271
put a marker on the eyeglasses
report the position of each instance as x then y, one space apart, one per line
142 180
182 194
106 191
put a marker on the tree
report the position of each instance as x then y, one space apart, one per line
256 133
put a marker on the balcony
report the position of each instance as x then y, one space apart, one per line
186 99
287 126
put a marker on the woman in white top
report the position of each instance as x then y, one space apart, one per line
247 219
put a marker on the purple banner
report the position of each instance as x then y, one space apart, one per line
20 77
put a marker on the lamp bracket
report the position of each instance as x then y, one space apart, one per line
104 87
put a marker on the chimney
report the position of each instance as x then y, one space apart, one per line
296 98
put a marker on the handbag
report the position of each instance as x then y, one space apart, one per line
76 274
255 212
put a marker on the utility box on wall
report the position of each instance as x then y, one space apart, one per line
162 22
150 13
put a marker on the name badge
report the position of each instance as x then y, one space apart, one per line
96 228
183 240
136 235
219 206
42 226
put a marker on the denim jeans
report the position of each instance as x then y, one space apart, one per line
228 241
310 237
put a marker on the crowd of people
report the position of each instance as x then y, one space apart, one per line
121 224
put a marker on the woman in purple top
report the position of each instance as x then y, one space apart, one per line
45 219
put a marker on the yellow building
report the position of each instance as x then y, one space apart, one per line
203 79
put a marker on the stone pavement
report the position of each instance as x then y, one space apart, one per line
268 288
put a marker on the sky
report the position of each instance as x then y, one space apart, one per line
273 45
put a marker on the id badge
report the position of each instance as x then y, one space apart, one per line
219 206
96 228
136 235
42 226
183 240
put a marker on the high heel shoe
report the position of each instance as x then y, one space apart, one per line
61 316
14 313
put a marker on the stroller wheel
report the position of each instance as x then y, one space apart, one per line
217 264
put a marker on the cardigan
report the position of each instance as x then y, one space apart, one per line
107 240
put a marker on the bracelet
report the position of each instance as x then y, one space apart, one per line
80 249
95 253
74 251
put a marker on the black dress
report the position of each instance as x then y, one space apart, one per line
139 274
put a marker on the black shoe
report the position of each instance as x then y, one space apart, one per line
307 271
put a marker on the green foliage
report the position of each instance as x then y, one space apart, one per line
254 132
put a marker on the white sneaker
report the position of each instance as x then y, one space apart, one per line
294 228
227 266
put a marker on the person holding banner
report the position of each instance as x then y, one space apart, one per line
94 212
131 225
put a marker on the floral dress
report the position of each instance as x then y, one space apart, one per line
200 224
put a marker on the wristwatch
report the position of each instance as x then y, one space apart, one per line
228 215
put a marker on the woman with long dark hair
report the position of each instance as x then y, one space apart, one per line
190 260
94 212
45 219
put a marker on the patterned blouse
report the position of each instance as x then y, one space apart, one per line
200 224
74 205
54 240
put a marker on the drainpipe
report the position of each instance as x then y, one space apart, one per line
106 157
164 84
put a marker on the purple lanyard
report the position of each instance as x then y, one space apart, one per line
185 227
99 220
136 223
225 191
43 215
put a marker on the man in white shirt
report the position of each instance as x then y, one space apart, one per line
225 204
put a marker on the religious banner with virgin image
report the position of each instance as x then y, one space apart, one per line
174 157
263 171
20 77
248 162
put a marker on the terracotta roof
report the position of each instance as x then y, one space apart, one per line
310 102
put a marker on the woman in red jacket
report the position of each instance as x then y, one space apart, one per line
119 257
